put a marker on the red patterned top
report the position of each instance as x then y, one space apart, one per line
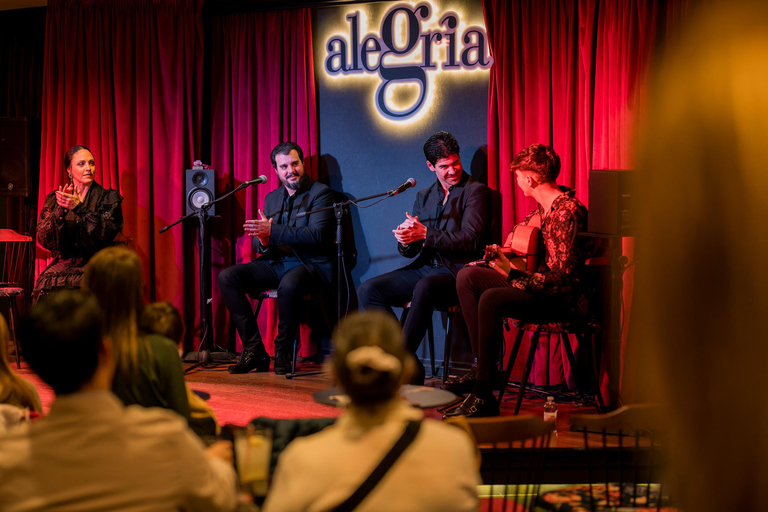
561 269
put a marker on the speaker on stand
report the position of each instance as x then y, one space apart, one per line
199 191
199 188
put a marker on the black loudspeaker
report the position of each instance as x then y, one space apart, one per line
20 160
611 199
199 188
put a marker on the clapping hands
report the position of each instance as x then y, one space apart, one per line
410 230
68 196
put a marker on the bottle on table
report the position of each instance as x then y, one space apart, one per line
550 411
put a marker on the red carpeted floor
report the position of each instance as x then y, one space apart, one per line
237 399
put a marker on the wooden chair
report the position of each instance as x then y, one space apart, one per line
272 294
586 379
513 451
14 272
586 333
624 459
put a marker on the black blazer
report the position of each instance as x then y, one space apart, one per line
462 231
311 237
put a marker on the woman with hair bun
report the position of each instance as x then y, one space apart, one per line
321 471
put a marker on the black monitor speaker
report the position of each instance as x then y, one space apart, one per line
20 160
199 188
611 199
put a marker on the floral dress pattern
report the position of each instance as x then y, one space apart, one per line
561 269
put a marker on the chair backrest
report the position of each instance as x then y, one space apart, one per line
15 248
513 450
624 457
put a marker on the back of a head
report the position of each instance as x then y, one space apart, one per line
163 318
61 339
370 357
114 277
540 159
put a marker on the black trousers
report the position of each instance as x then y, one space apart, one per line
485 297
427 288
293 282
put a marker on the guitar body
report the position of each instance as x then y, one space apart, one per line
522 247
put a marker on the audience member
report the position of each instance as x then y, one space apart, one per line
700 301
149 370
321 471
17 394
164 319
91 453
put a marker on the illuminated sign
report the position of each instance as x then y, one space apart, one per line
412 46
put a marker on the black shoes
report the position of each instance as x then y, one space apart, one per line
282 363
475 407
463 384
251 361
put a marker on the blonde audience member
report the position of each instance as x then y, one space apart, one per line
164 319
149 370
700 310
17 394
319 472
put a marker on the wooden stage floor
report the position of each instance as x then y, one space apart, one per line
237 399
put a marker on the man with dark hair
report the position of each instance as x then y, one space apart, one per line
91 452
449 226
295 257
558 288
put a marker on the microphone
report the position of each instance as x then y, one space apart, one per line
256 181
408 184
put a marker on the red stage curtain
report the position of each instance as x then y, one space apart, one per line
262 93
125 79
570 74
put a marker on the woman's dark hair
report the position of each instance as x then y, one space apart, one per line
69 154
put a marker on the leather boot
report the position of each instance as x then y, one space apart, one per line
282 363
251 360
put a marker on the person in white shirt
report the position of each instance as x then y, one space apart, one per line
91 453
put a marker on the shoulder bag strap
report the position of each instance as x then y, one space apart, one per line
386 463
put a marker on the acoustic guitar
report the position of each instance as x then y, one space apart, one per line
522 245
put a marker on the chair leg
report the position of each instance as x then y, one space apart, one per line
572 361
510 363
296 342
447 349
528 365
585 343
431 346
13 313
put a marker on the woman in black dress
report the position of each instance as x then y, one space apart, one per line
76 221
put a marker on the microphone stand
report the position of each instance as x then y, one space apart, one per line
339 212
205 302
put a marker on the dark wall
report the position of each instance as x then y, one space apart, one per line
362 154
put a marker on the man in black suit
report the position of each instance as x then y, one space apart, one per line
449 226
295 257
